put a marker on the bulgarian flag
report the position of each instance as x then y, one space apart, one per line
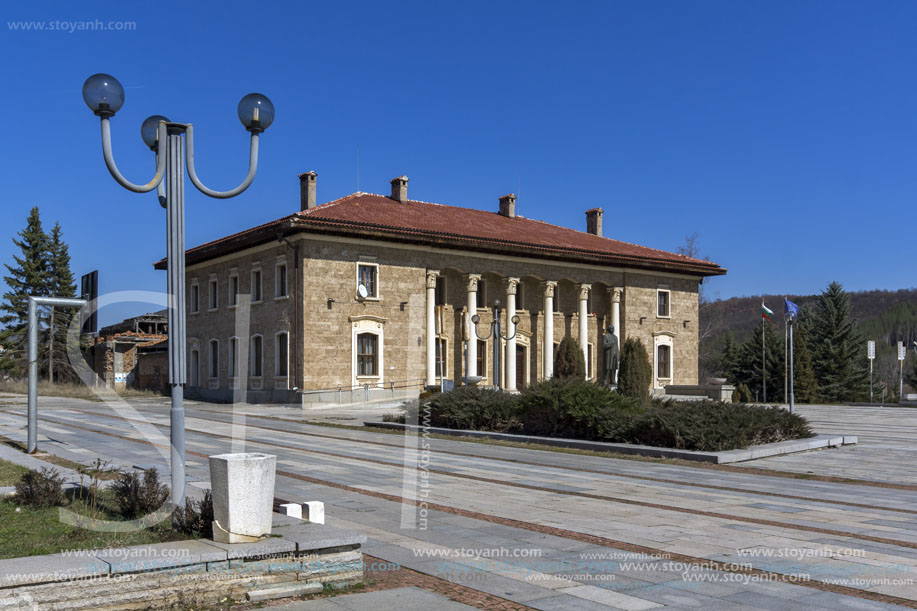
766 312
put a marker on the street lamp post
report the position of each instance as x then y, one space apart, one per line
104 95
497 334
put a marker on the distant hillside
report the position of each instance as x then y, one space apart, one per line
884 316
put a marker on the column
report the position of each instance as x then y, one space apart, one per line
547 341
471 368
432 275
510 360
615 294
584 321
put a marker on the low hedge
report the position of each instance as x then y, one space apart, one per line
575 409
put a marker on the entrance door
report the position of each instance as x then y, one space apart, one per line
520 367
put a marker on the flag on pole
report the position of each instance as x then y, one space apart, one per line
766 312
790 308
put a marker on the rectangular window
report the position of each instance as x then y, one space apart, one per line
214 358
663 305
664 358
214 296
482 358
482 295
442 349
233 291
282 360
195 304
194 369
440 295
233 357
257 356
256 285
280 280
367 354
368 278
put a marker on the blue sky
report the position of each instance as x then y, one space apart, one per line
782 132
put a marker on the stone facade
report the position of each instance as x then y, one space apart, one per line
323 314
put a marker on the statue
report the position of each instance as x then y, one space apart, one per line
610 352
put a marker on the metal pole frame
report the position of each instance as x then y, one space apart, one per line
172 157
34 302
792 389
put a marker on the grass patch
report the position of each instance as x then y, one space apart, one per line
10 473
26 531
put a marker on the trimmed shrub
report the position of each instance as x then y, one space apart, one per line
196 517
475 409
44 488
138 497
712 426
636 372
569 407
744 394
569 361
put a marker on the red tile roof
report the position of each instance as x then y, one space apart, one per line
380 217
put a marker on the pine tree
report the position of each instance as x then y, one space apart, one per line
804 382
62 284
838 348
636 372
748 368
728 365
569 361
28 277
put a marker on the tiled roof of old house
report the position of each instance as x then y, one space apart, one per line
379 217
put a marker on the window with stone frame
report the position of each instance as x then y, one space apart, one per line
367 354
256 290
663 303
368 277
233 357
282 355
195 298
233 290
663 361
214 295
482 358
442 364
256 356
280 280
214 358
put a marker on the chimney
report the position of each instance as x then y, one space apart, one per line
400 189
307 191
594 221
508 206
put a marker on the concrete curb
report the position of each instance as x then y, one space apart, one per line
717 458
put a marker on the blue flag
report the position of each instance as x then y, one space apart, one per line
790 308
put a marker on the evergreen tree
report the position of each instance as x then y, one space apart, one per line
910 375
569 361
748 368
636 371
28 277
804 382
838 348
62 284
728 365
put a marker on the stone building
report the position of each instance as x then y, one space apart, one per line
133 353
377 291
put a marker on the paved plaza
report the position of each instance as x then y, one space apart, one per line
499 527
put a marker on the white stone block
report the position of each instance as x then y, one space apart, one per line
243 496
294 510
314 511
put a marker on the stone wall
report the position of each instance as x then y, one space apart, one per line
326 282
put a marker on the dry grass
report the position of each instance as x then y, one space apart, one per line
72 391
99 471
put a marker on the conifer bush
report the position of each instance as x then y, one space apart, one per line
44 488
138 496
636 372
475 409
569 361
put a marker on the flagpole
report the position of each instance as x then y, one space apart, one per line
785 342
763 358
792 396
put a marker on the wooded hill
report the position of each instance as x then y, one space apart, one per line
884 316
